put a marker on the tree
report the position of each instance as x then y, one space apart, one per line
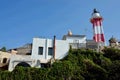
3 49
112 53
94 71
114 71
62 70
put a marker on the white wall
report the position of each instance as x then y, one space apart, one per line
76 39
16 59
62 48
36 43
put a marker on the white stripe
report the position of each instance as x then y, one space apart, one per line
95 30
98 30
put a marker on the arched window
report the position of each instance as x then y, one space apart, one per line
4 60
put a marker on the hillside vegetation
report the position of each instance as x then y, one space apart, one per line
80 64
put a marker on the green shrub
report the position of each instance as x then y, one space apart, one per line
79 64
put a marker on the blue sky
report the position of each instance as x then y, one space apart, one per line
22 20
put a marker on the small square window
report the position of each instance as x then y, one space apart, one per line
40 51
50 51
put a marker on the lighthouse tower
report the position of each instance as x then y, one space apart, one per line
98 35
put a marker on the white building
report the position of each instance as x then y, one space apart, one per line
76 41
45 50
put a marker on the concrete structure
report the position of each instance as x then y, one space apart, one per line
4 58
96 20
43 49
47 50
42 53
91 44
12 51
113 42
22 60
23 50
76 41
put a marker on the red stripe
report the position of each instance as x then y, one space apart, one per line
102 37
100 23
95 38
96 22
93 24
99 38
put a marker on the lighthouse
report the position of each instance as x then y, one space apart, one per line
98 34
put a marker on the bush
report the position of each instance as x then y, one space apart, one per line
112 53
114 70
80 64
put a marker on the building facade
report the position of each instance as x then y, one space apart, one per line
75 41
43 49
4 58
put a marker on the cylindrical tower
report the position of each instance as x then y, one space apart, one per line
96 20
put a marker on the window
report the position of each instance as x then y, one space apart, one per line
76 41
50 51
40 51
5 60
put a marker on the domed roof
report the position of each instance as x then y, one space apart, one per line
95 13
69 33
113 40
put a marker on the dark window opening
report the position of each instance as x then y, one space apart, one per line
45 65
50 51
40 51
28 53
5 60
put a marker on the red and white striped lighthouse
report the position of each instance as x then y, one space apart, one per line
96 20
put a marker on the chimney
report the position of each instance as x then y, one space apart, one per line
54 47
